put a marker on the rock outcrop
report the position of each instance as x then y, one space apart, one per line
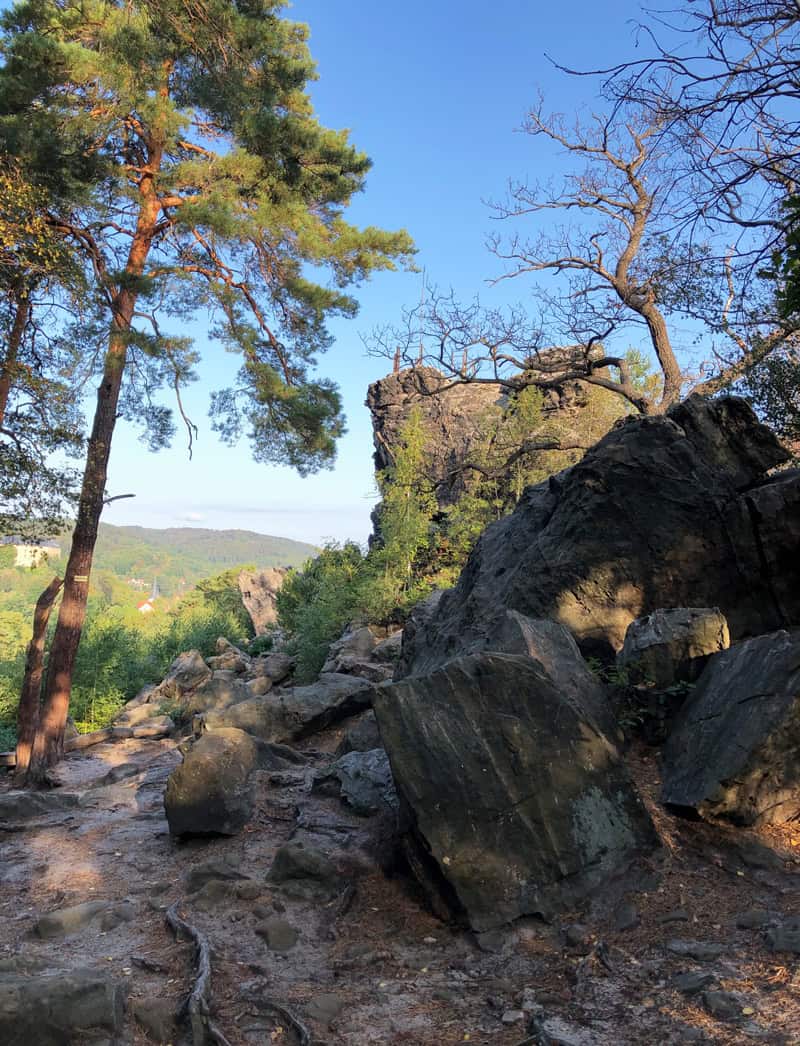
454 418
259 589
517 804
734 751
663 512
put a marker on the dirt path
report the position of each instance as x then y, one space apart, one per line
369 964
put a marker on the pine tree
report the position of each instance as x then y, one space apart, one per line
211 186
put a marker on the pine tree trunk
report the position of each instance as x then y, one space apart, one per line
48 746
23 310
28 712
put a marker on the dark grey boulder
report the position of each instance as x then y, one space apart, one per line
670 511
288 715
516 803
210 792
59 1008
669 646
362 736
363 780
734 751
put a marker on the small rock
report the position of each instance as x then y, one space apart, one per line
248 891
116 916
325 1008
279 934
753 919
215 892
69 920
723 1005
677 915
303 870
216 868
576 938
153 729
786 937
364 781
700 950
513 1016
626 917
693 981
157 1016
60 1008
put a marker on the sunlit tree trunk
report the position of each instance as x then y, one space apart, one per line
30 696
48 746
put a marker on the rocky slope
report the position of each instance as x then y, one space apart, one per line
491 848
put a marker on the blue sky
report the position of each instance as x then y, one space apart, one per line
434 92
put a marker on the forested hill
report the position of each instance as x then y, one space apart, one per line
179 557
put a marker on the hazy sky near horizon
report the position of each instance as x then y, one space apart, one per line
435 93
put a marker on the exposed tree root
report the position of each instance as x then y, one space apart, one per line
288 1015
198 1005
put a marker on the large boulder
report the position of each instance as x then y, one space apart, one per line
287 715
663 512
210 792
734 751
517 804
669 646
60 1008
187 672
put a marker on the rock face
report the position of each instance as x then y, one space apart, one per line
287 715
552 646
209 793
453 419
671 645
517 803
663 512
734 751
259 589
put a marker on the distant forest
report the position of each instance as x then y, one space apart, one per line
179 557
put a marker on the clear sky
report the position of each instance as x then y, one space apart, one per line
434 92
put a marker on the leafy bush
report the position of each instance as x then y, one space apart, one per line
316 603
